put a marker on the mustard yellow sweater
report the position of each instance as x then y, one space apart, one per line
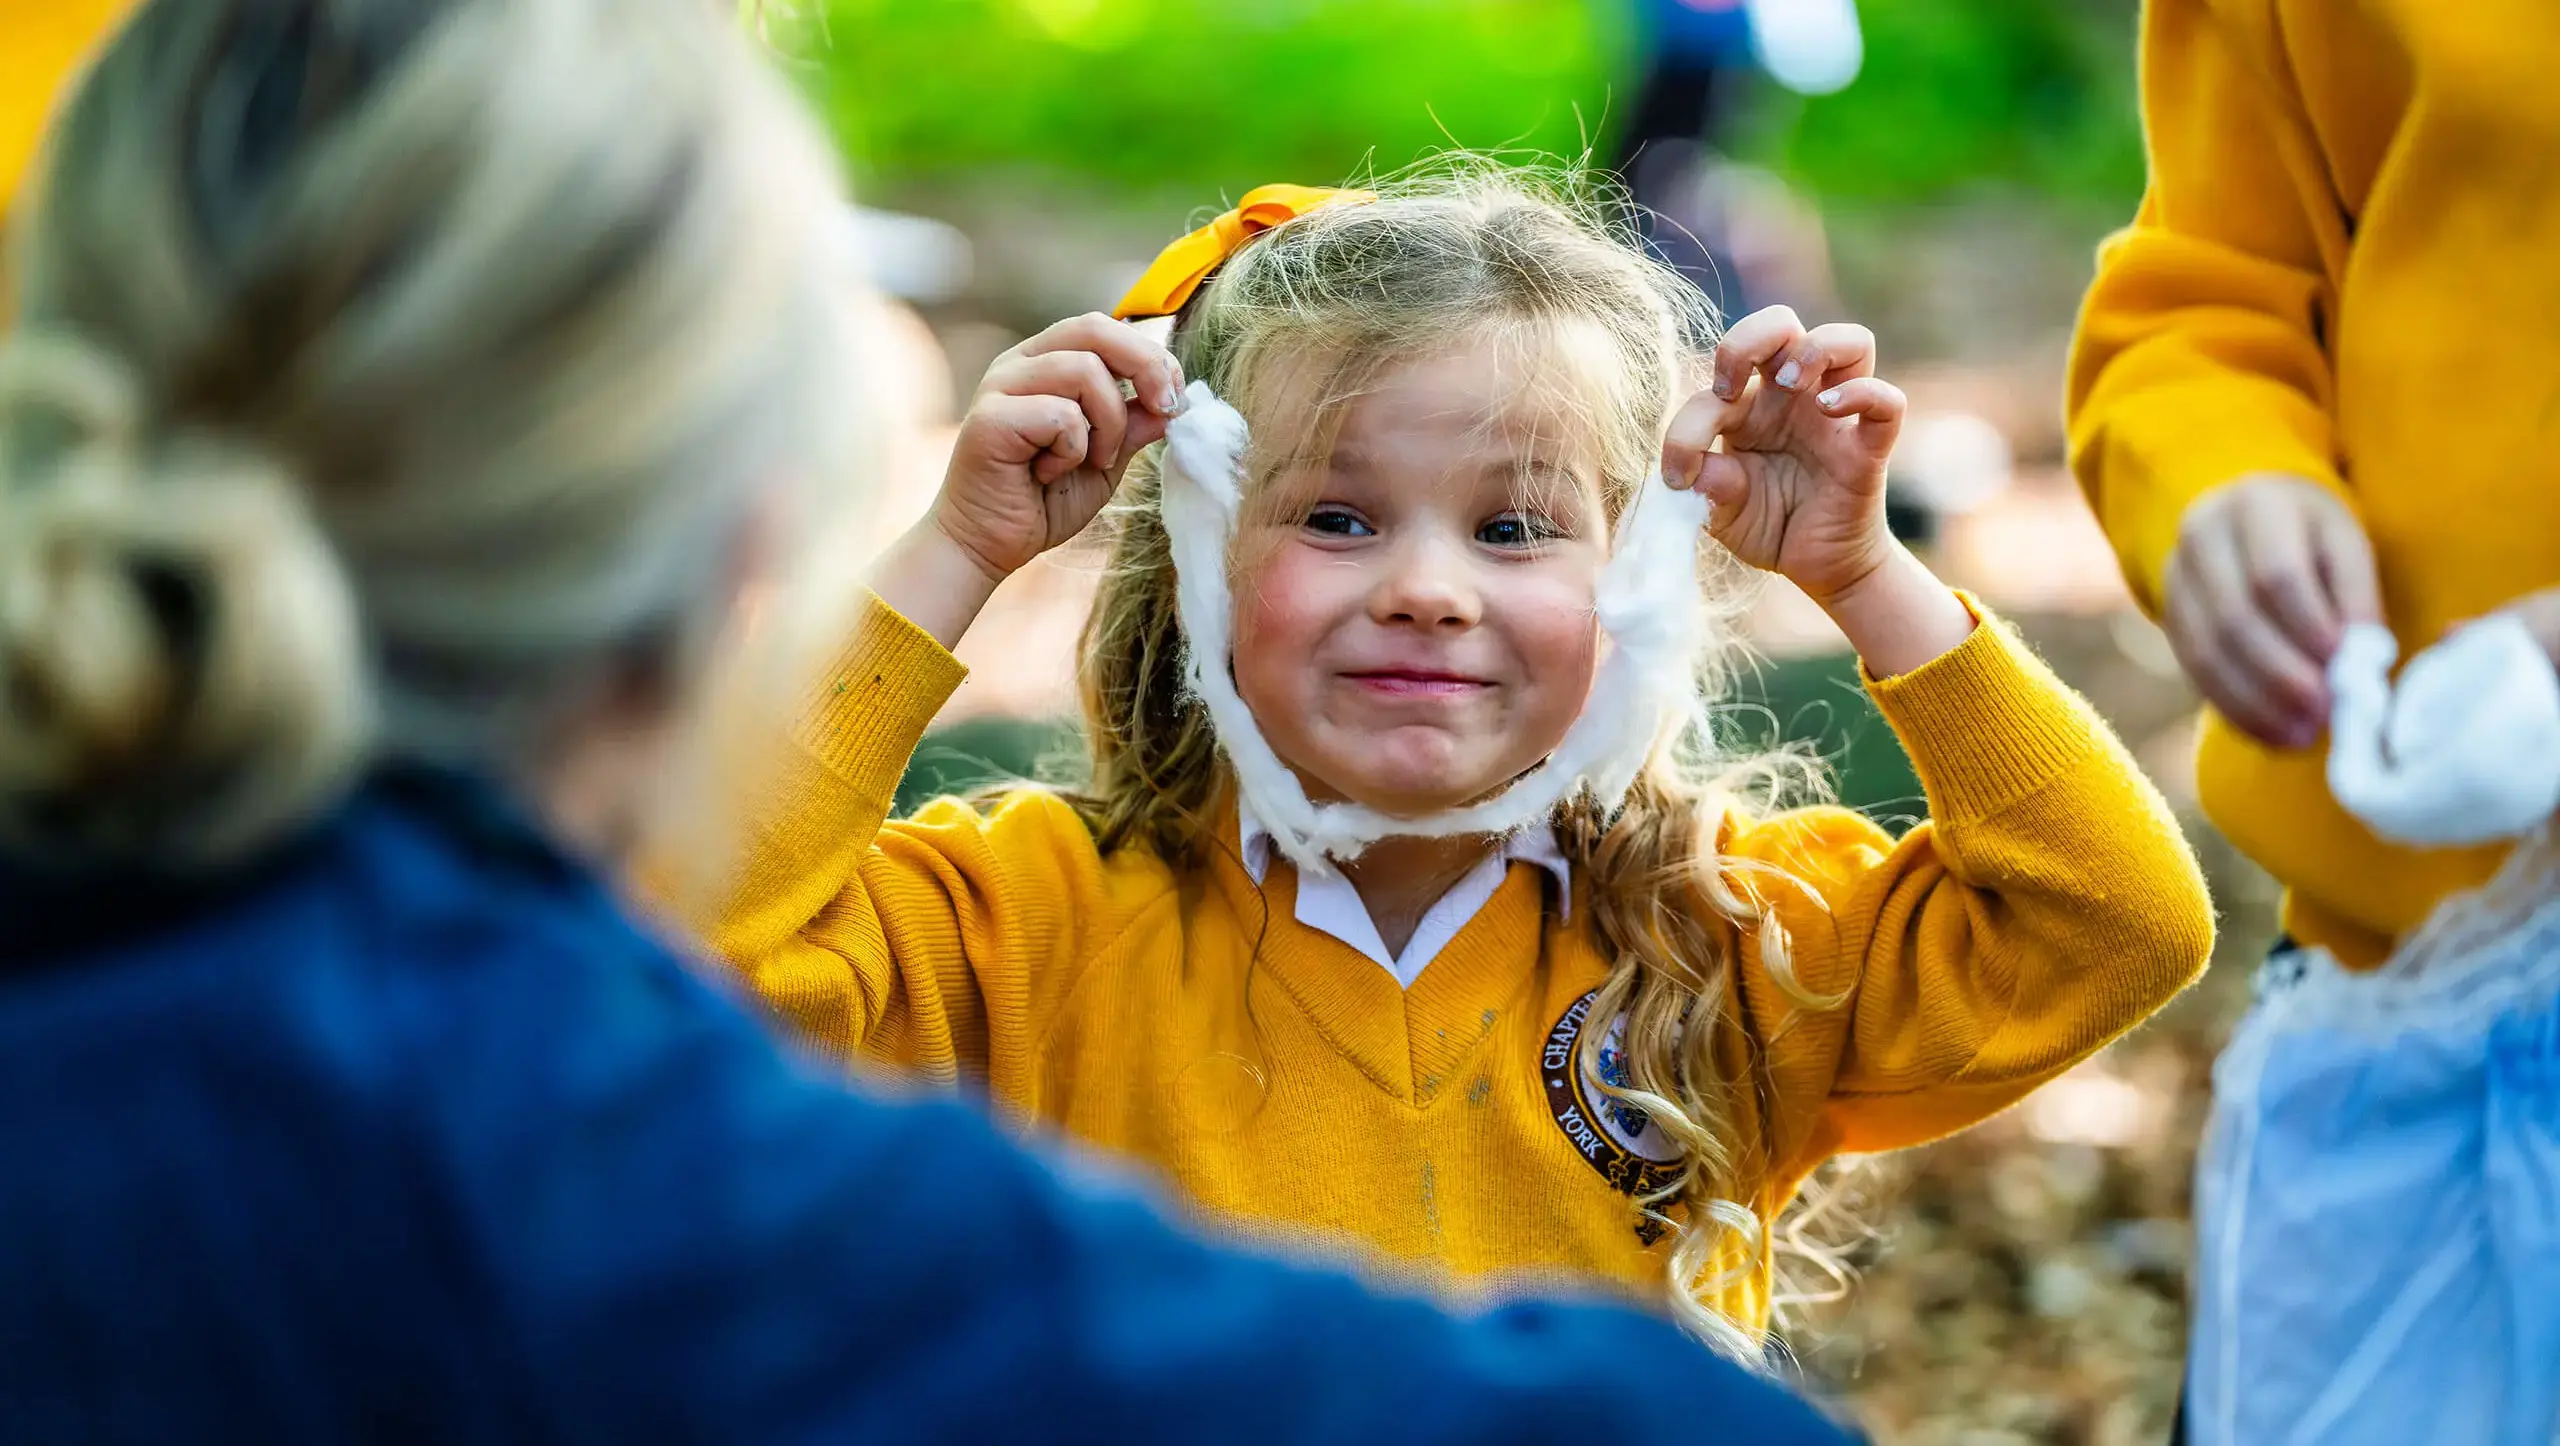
43 44
2343 268
1281 1077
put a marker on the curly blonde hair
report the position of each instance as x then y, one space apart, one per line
1447 252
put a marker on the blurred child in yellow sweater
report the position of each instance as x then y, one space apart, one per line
1614 1041
2297 402
2311 398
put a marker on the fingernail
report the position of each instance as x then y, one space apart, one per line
1170 403
1787 375
1722 386
1830 398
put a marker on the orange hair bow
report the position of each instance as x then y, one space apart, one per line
1181 267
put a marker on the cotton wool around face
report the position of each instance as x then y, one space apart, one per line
1447 639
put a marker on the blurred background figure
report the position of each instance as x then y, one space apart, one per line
2270 413
1737 230
1941 168
1695 58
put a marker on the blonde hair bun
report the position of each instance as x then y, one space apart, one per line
397 381
181 675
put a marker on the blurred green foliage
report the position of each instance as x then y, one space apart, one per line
1209 96
2031 94
1214 94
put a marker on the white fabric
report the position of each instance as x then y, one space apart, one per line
1648 605
1328 904
2378 1196
2464 749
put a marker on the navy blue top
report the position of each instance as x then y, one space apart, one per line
1700 31
411 1135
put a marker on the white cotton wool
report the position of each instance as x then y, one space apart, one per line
2464 749
1648 602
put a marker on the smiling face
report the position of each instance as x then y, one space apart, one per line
1414 616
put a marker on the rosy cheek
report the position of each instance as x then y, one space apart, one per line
1554 620
1275 630
1263 612
1568 656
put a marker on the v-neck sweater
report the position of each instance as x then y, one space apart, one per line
1276 1076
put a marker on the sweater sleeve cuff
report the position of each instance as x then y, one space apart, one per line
2184 442
1986 722
872 705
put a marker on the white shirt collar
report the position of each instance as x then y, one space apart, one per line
1329 904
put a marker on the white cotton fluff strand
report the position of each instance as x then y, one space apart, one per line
2463 750
1648 604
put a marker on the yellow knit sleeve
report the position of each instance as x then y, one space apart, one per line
934 944
2198 357
2049 905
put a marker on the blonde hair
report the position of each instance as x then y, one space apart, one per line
387 378
1451 251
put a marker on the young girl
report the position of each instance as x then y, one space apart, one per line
1615 1041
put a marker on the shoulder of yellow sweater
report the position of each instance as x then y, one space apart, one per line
1805 867
1035 834
1816 855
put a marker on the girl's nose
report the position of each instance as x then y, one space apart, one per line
1427 583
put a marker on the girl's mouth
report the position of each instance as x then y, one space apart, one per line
1417 683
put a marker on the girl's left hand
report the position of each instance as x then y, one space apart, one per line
1798 485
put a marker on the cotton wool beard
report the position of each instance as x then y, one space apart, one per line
1648 604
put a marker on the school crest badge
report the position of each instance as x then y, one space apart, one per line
1628 1149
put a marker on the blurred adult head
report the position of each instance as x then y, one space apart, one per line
390 378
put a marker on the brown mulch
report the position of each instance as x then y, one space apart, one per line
2024 1284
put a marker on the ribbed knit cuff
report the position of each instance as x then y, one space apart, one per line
2160 453
868 711
1986 723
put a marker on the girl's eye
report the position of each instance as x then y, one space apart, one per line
1338 522
1517 529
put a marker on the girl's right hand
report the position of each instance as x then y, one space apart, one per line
1047 437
